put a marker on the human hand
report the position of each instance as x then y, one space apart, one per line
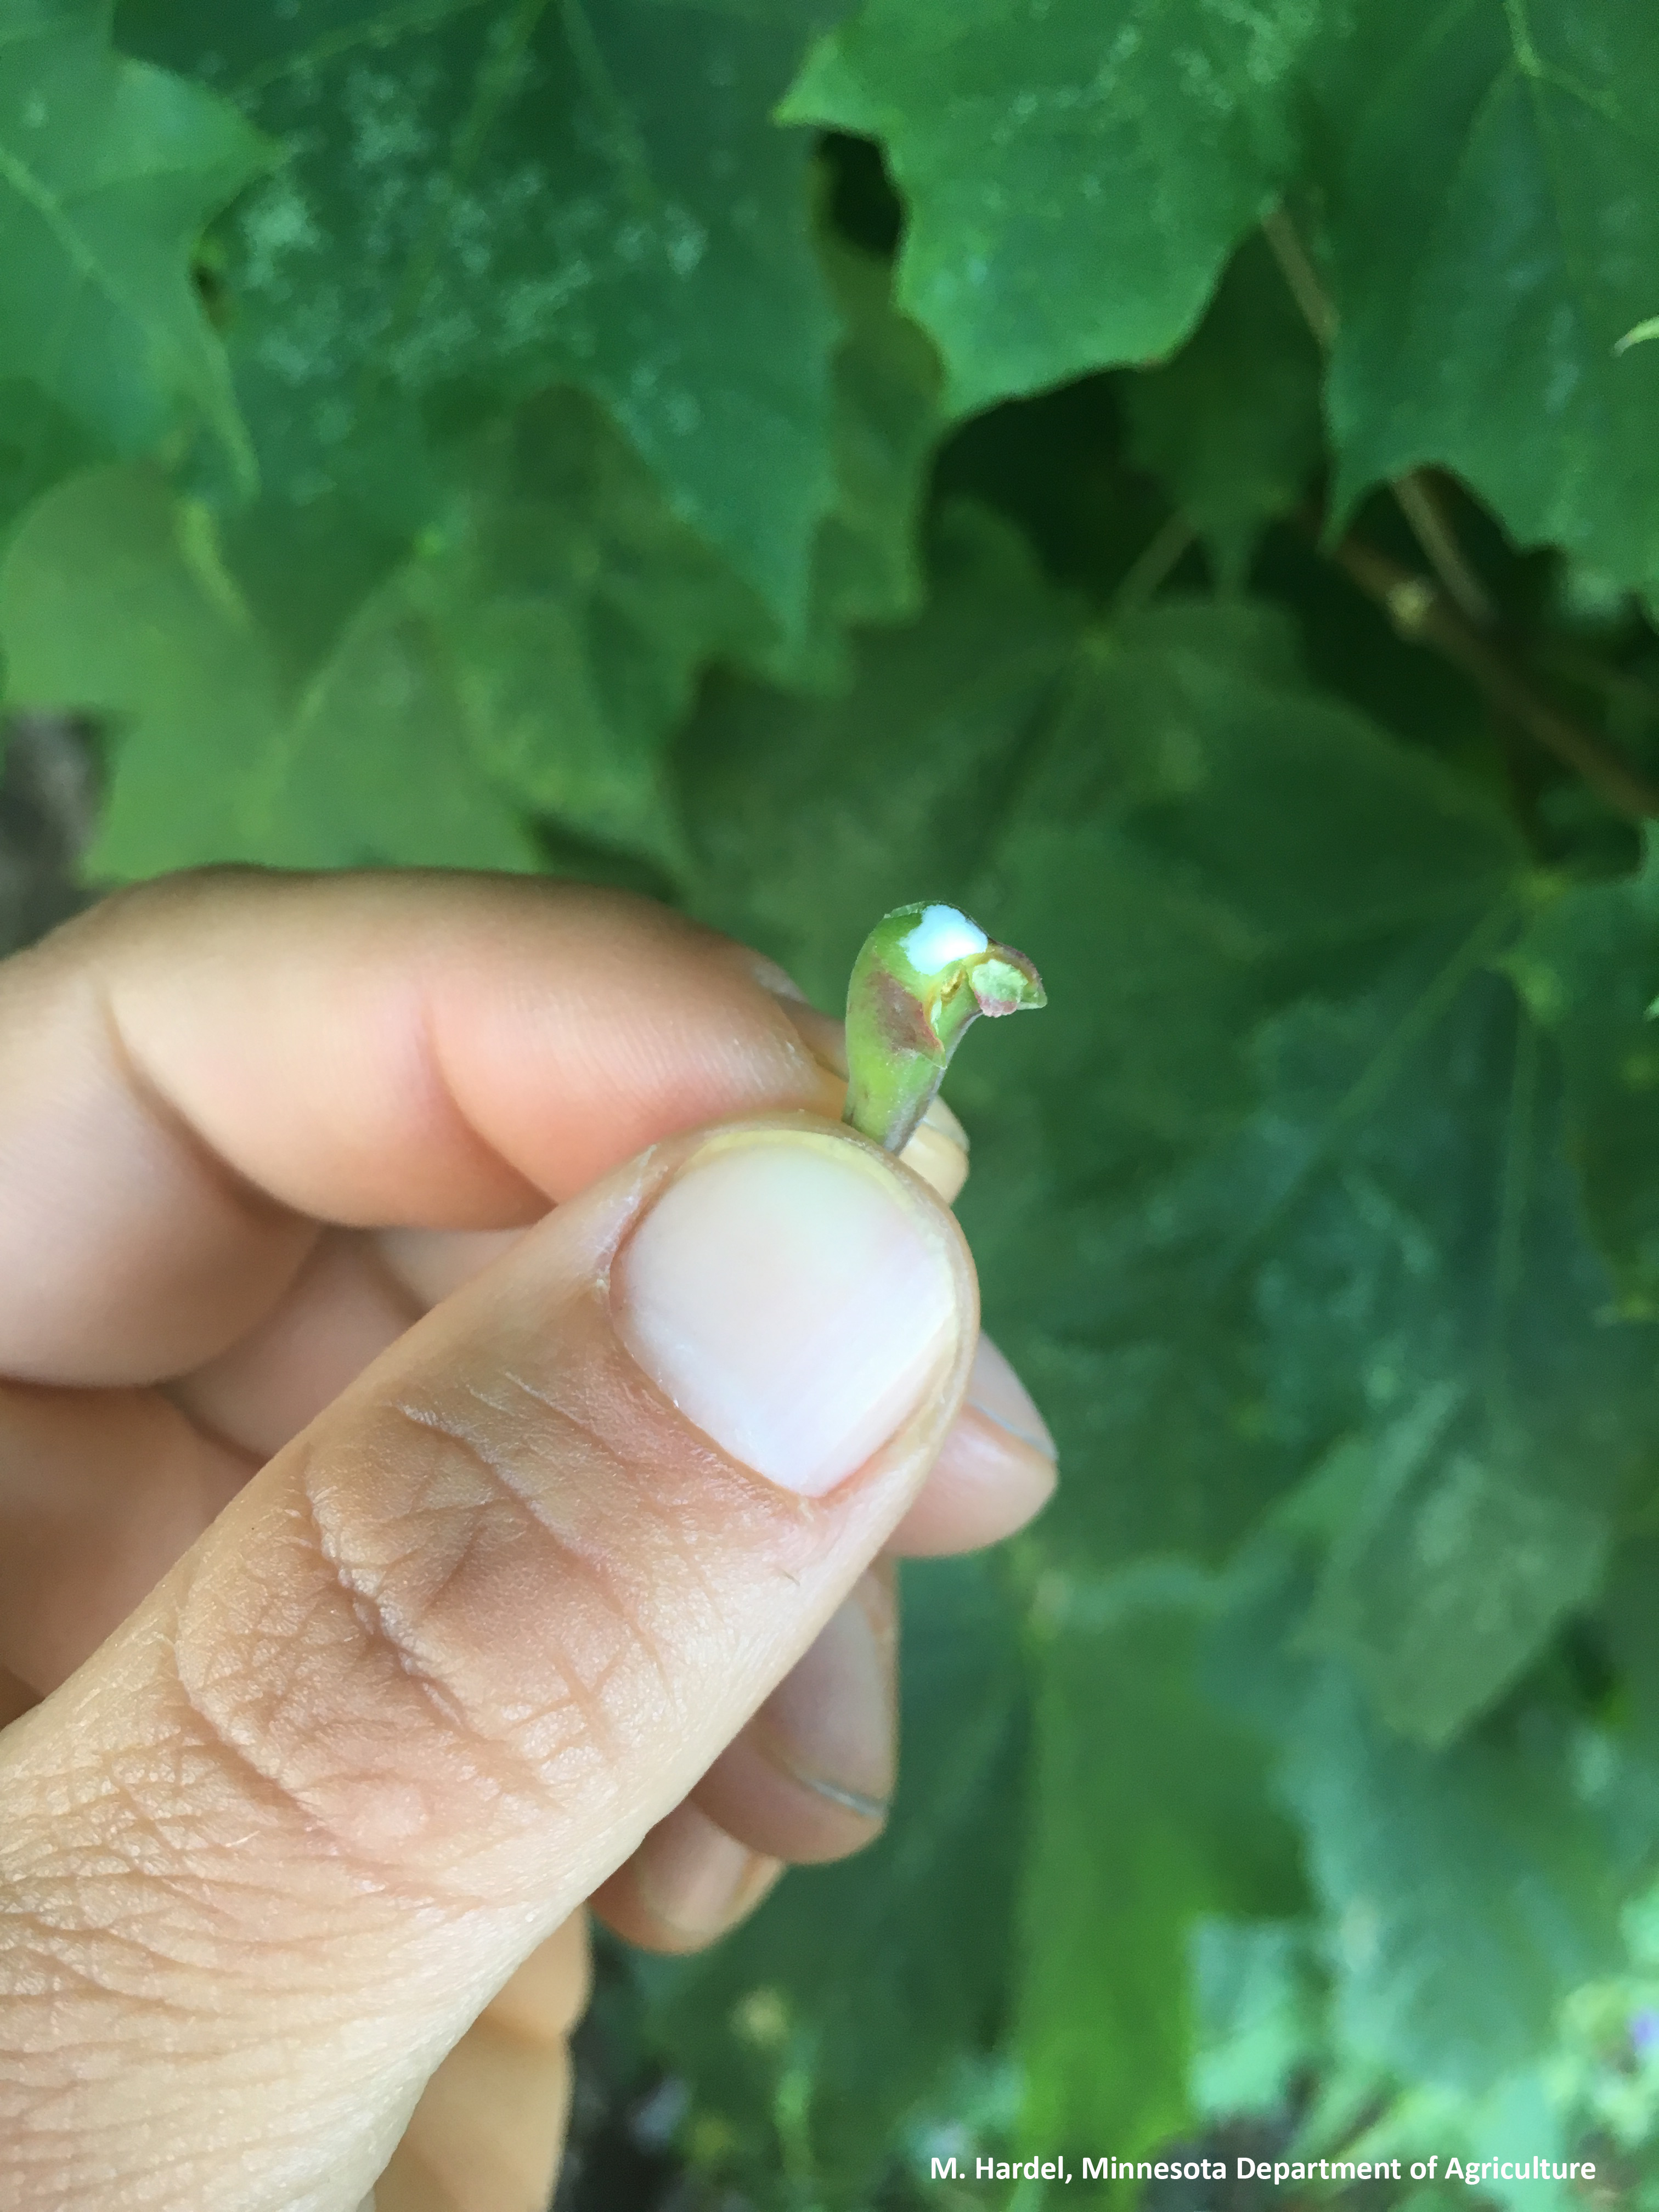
406 1562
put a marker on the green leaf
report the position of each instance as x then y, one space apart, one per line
571 612
109 172
840 2007
1181 835
1204 838
1494 233
1221 1259
481 199
113 601
1588 967
1257 2024
1076 173
537 649
867 562
1432 1300
1472 1893
39 442
1455 1559
110 603
373 766
1465 1890
1149 1816
1387 1255
806 818
1231 425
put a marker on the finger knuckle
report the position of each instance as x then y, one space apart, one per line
441 1644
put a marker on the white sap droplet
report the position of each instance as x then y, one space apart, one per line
941 936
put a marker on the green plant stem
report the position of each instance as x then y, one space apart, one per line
1451 613
1418 500
1154 565
1421 612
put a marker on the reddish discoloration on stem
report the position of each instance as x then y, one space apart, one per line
904 1022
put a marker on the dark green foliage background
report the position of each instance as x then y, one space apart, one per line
497 433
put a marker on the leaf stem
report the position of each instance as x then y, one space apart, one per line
1452 613
1154 564
1420 503
1318 309
1425 510
1423 614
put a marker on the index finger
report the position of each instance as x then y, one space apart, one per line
196 1073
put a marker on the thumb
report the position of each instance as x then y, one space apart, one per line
446 1659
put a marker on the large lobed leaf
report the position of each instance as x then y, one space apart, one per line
1275 1206
1230 1228
1076 173
1076 176
482 197
1465 1890
114 599
1495 234
533 652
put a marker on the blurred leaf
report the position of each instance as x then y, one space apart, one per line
571 612
1258 2022
1375 1242
481 199
1589 967
1076 173
1148 1816
537 648
109 172
524 662
1231 426
1431 1298
868 562
39 442
1181 836
841 2006
1387 1259
113 601
1467 1890
109 603
1204 839
807 819
1494 231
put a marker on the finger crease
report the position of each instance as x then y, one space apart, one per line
175 1126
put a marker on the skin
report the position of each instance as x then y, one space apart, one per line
302 1809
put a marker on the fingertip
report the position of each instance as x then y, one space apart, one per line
811 1776
547 1995
685 1885
798 1299
995 1390
996 1470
